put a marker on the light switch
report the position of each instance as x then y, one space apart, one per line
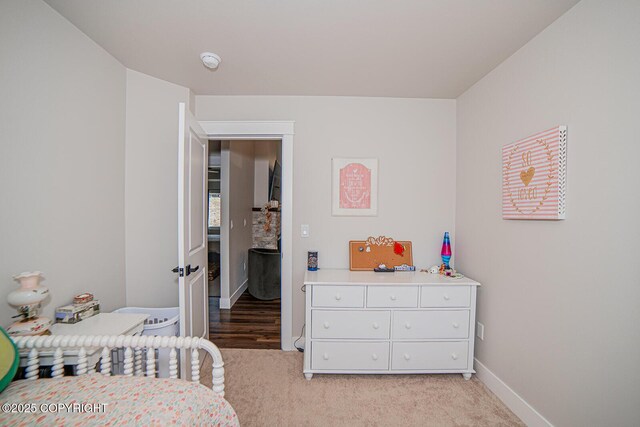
231 224
304 230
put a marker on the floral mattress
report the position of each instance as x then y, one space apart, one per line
91 400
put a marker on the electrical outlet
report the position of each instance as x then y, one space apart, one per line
480 330
304 230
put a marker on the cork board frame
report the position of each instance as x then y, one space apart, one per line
380 252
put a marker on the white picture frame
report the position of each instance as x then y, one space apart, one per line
354 191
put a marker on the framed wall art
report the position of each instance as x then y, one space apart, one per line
534 176
354 187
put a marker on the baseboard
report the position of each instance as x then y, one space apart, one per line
510 398
227 303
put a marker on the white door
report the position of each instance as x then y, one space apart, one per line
192 232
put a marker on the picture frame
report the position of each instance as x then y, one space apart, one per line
534 176
354 187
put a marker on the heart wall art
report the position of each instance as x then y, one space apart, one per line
534 176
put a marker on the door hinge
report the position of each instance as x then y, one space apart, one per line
179 270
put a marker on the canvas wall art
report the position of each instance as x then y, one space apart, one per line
534 176
354 187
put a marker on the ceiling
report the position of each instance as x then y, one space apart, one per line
400 48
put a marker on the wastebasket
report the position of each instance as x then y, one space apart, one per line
162 322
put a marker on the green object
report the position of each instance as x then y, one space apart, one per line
9 359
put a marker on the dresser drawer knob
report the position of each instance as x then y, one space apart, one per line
407 325
326 325
406 356
456 325
338 297
325 356
393 297
376 325
374 356
454 356
446 297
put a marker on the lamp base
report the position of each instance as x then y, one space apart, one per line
27 327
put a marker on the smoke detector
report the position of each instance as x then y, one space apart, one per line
210 60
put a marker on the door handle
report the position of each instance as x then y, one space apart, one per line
191 270
178 270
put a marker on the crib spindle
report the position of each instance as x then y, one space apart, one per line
173 363
217 379
57 368
32 370
81 367
137 362
195 366
128 362
140 355
151 362
105 362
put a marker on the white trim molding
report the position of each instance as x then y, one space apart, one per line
284 131
227 303
244 129
510 398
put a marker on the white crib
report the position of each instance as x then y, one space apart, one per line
139 355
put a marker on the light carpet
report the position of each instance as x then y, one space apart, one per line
267 388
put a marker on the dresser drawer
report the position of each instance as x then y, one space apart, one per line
429 355
350 355
435 324
338 296
350 324
445 296
392 296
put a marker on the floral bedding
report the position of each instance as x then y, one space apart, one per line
90 400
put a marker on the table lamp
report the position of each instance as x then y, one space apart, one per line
27 300
446 249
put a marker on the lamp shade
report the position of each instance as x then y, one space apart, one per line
30 291
21 297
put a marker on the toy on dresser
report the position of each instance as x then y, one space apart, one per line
83 307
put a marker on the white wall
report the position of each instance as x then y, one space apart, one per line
62 158
151 190
560 299
266 153
415 142
237 179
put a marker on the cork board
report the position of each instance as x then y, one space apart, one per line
380 251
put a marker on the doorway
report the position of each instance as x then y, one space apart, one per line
244 197
283 131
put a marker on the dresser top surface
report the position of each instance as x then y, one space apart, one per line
326 276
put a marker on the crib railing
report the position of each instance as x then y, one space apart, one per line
139 355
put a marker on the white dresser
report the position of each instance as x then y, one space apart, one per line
362 322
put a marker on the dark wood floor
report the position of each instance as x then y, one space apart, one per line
251 323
